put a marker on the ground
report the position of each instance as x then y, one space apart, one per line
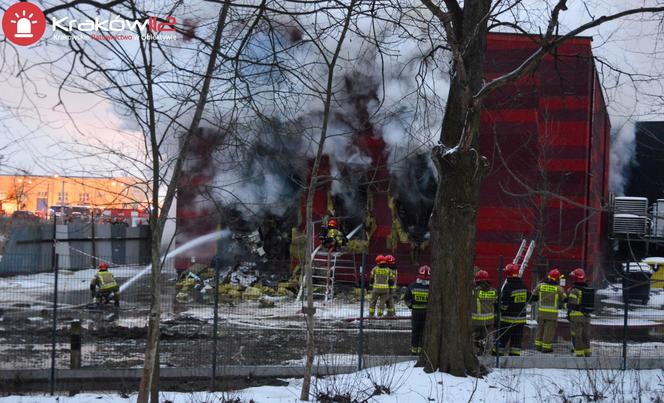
248 334
404 383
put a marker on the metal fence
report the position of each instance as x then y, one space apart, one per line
260 322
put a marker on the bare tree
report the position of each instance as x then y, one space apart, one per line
460 166
163 95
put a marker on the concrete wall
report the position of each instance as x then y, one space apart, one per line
30 248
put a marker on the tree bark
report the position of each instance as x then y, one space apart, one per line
448 333
448 343
159 215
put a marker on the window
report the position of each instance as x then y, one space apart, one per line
66 197
42 195
83 198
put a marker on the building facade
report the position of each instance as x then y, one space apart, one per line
38 194
546 136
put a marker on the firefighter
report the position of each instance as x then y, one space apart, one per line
513 300
416 298
381 278
392 264
550 296
331 237
484 298
103 284
579 306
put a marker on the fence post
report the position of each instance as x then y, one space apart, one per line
360 341
75 344
215 324
500 294
55 322
626 285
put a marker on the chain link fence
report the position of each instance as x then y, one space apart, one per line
259 321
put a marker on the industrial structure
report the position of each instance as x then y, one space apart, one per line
546 137
40 193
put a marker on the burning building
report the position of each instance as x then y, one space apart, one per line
546 137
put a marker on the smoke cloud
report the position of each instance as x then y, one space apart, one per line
623 146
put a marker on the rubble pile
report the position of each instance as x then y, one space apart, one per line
243 282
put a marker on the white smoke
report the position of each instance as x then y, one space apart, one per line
396 94
623 146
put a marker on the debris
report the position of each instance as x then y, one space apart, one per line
252 293
265 303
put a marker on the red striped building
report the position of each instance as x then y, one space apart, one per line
547 137
547 140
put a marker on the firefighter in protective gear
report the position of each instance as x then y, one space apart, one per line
484 305
513 299
392 264
331 237
550 296
103 284
381 279
579 306
416 298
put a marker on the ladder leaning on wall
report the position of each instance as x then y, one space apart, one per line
329 268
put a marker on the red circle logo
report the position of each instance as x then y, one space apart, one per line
23 23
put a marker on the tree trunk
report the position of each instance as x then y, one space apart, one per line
150 377
448 345
152 345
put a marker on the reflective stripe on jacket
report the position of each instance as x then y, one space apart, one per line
513 301
381 276
337 236
484 298
575 302
417 296
106 281
393 282
550 297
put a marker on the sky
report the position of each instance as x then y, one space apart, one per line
40 134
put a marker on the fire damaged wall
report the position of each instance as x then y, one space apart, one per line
546 137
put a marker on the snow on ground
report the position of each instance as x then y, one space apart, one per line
24 288
332 310
409 384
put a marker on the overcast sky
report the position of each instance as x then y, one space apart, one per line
39 142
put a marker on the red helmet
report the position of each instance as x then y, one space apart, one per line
332 223
481 275
554 275
103 266
389 259
578 276
424 272
380 259
512 270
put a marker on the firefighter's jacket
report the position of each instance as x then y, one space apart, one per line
334 237
550 296
382 277
575 305
484 304
417 295
513 300
395 274
104 281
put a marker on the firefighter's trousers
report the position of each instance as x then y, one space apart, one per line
481 332
580 330
381 297
510 334
546 331
417 319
